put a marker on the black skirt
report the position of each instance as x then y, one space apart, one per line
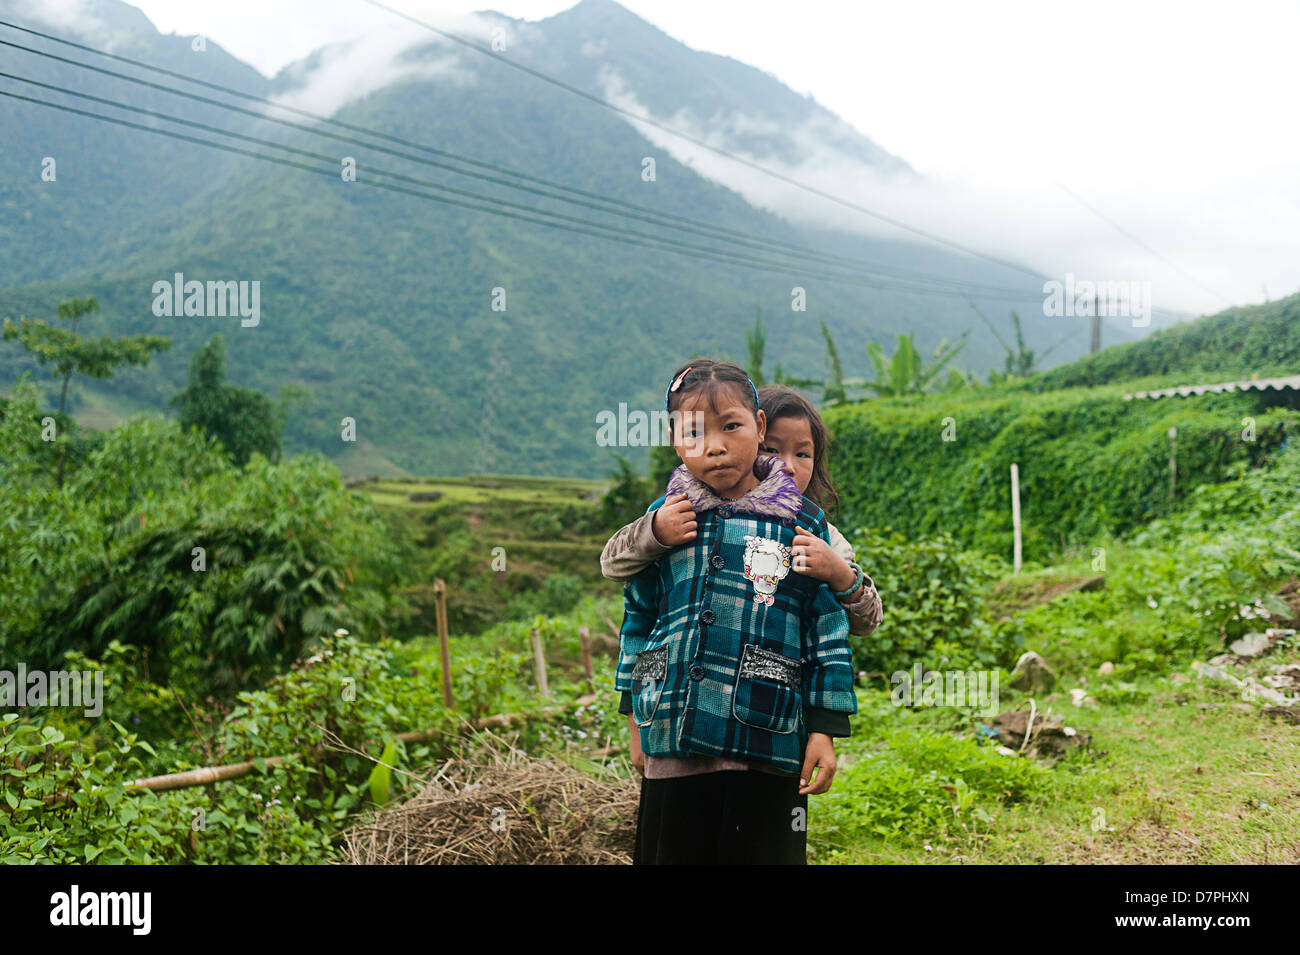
731 817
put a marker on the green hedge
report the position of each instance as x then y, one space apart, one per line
1090 462
934 606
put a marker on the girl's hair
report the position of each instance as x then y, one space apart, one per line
709 377
779 401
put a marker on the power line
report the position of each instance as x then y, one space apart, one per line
656 220
600 101
584 228
426 184
1131 237
657 216
954 284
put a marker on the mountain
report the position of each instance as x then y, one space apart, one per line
669 78
106 176
381 303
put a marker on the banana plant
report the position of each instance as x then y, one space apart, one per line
905 372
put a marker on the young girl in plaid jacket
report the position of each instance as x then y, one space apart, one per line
736 672
797 435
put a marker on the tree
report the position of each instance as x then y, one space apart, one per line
663 462
626 500
70 354
243 420
834 387
958 381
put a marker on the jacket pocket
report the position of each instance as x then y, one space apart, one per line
766 694
648 678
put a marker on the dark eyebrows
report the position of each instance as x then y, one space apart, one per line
806 445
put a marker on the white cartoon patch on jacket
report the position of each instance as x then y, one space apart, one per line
766 564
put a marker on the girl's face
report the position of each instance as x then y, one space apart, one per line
790 439
720 448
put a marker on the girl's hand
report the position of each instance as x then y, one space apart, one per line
814 557
820 755
638 757
674 521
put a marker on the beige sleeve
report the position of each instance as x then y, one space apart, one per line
633 548
864 608
838 543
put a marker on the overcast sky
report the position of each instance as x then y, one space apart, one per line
1176 120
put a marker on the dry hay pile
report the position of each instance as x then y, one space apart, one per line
496 805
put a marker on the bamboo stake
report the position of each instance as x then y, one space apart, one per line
201 776
440 593
584 637
1015 514
539 663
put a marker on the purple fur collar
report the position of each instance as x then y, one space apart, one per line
776 496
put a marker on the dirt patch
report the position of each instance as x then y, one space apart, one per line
1008 597
1290 592
1048 736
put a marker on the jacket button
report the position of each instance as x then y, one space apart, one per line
697 673
725 510
718 561
707 616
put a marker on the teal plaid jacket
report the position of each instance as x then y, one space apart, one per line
725 649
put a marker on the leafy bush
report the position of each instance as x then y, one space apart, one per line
931 594
1186 584
896 791
627 498
224 574
348 698
545 525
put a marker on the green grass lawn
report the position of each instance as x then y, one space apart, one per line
1184 773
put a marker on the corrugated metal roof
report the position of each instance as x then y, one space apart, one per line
1256 384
